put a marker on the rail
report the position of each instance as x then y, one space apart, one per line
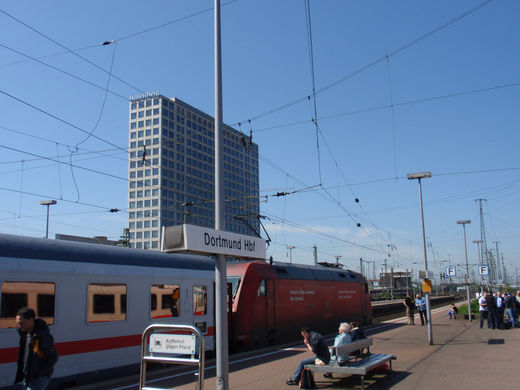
167 343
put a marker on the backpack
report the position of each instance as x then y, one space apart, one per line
455 310
307 380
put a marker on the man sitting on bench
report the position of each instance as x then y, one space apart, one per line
317 345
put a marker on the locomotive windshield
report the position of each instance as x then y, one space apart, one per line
235 283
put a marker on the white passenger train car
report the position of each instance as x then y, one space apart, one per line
97 300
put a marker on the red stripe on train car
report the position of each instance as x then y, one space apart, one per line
9 355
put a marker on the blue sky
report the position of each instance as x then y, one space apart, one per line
445 100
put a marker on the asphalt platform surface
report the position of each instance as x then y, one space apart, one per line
462 356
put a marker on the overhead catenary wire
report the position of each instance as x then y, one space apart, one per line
124 37
87 151
97 122
392 113
386 106
59 119
63 71
69 50
47 196
313 80
371 64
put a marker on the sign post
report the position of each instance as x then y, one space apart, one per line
171 349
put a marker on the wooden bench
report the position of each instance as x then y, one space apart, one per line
357 364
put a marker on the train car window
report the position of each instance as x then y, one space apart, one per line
341 275
153 302
200 300
280 270
45 305
235 283
39 296
123 303
165 301
106 302
261 289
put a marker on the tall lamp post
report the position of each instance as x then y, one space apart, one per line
463 223
47 203
419 176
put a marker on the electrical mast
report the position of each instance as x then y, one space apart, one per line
483 245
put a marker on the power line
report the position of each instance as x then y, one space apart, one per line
126 36
60 119
373 63
69 50
60 162
87 151
63 71
171 22
52 197
383 107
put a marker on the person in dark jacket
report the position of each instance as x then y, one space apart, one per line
37 354
317 345
356 332
491 305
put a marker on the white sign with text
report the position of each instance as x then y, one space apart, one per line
173 343
198 239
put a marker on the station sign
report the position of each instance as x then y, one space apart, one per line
483 270
172 343
198 239
451 271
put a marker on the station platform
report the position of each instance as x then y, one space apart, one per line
462 356
457 359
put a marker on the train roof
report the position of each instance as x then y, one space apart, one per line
309 272
313 272
58 250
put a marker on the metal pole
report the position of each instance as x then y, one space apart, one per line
428 304
467 272
221 325
47 229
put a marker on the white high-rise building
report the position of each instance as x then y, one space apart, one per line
171 171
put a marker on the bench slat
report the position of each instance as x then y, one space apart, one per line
351 347
360 367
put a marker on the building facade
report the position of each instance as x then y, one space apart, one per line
171 175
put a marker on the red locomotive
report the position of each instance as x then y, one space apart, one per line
272 301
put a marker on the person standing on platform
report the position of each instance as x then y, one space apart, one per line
420 303
37 354
482 303
500 310
491 305
409 304
511 309
317 345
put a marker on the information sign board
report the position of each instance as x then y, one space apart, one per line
172 343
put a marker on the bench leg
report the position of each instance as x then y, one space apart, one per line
362 382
